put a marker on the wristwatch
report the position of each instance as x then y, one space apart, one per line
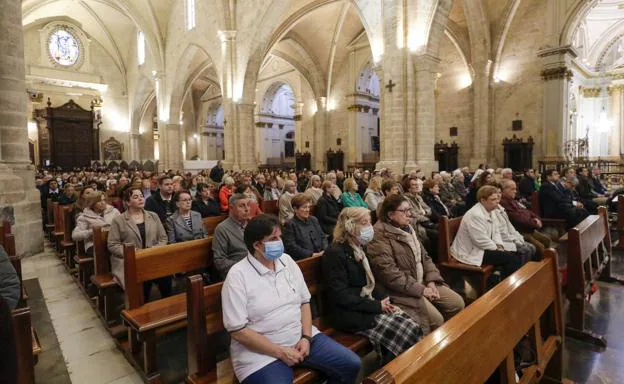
307 338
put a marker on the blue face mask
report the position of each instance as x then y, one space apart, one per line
273 250
366 235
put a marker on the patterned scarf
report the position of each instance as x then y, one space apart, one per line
360 257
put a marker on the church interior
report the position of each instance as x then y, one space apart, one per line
497 124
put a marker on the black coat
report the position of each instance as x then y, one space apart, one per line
526 187
156 204
554 202
216 174
303 238
326 211
344 278
206 209
437 207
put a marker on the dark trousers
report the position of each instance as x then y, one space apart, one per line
575 216
164 286
507 262
8 358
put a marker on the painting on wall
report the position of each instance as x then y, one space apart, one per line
112 149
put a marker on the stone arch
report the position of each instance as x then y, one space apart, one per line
148 27
269 37
184 77
143 95
572 19
510 13
436 26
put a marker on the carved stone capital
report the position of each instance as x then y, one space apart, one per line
226 36
590 92
556 73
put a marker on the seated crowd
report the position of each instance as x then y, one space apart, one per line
376 232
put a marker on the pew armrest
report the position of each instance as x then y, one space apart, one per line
453 264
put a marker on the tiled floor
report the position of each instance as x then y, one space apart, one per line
87 349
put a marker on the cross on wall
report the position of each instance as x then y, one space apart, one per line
390 85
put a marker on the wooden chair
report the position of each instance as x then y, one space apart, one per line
59 228
558 224
588 258
205 322
480 340
67 245
270 206
447 230
210 223
147 322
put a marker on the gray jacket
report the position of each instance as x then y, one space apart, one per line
228 245
10 287
177 231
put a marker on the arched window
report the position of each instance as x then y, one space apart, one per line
190 14
141 48
64 47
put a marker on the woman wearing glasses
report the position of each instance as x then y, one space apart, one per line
184 224
403 267
141 228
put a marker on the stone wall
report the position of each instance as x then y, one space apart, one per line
454 101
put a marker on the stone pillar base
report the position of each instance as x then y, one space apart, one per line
248 166
395 165
426 167
22 208
227 165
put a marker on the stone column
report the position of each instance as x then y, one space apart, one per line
321 143
482 151
299 140
228 70
246 158
135 153
204 145
556 75
423 136
173 145
19 199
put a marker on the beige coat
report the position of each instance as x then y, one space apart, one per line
394 256
89 219
124 231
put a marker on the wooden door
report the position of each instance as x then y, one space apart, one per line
73 140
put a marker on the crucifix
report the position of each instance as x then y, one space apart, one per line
390 85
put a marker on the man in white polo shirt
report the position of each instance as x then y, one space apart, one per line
266 309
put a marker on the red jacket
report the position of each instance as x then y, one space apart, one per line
521 217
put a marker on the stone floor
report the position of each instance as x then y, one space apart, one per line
77 349
75 346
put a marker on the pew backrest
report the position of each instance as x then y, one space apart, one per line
586 256
5 229
205 316
50 210
447 230
535 205
22 330
211 222
101 255
480 340
68 222
152 263
270 206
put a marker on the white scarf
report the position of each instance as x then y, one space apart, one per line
360 256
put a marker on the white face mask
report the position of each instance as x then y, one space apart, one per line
366 235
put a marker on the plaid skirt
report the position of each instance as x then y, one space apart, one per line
393 332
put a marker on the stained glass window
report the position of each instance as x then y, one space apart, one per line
64 47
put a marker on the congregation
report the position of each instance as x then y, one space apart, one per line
375 231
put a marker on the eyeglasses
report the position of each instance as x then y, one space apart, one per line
404 210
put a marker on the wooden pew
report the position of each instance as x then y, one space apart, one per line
558 224
57 233
49 227
270 206
67 245
589 253
447 230
205 321
620 223
25 335
102 278
24 343
211 222
480 340
147 322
